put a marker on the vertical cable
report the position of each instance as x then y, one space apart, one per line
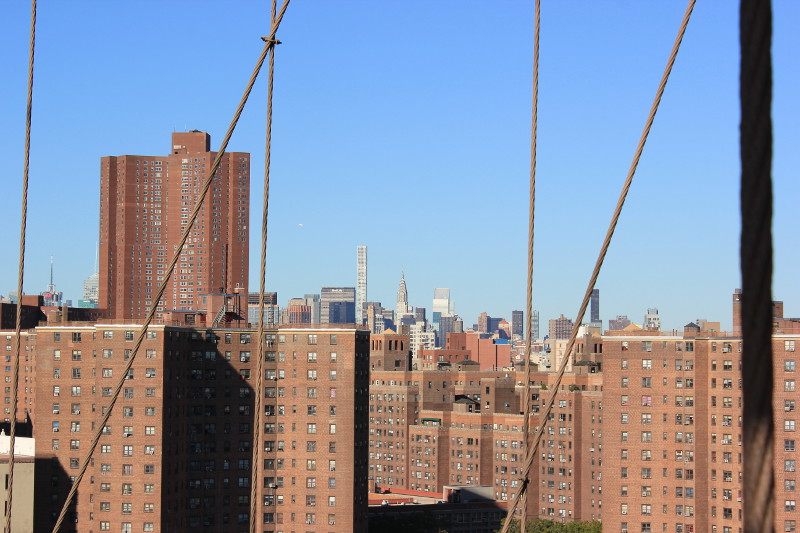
755 37
254 484
22 231
526 401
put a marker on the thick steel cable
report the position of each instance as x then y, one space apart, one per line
755 36
254 485
269 43
22 231
598 265
531 209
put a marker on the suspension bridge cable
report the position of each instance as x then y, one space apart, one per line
268 45
526 402
21 276
755 36
598 265
254 485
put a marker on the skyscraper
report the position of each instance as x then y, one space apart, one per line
595 307
402 297
145 204
91 286
517 327
441 301
338 305
361 285
534 325
312 300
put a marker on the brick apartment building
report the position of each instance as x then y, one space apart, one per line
654 443
177 451
145 204
455 424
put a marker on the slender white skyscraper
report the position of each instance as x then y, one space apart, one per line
361 285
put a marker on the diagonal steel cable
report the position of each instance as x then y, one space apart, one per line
598 265
268 45
23 227
256 464
531 209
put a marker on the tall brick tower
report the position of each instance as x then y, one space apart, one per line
145 204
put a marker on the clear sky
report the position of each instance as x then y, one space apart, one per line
405 126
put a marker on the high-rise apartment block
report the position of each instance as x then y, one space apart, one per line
145 204
177 452
645 432
560 328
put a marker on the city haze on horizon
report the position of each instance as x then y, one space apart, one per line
432 140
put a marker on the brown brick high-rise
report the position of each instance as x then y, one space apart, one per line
176 454
145 204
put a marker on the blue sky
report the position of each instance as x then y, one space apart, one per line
405 126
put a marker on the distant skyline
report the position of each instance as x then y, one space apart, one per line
411 136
